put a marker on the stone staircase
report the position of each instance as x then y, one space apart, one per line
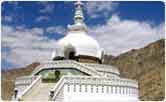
40 93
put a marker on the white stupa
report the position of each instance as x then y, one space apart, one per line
77 40
76 72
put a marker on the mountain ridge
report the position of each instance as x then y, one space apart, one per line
146 65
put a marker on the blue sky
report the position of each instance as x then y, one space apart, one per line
30 30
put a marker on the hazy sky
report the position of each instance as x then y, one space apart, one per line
30 30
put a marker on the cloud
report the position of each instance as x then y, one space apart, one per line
57 29
42 18
13 2
24 46
37 31
100 8
7 19
47 7
118 36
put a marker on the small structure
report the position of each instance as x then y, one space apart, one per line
76 72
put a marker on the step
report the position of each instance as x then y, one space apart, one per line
41 92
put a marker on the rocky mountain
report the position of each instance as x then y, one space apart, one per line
146 65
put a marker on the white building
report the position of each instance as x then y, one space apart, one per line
76 72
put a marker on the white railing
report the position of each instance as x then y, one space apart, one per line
98 88
102 67
101 80
66 64
86 68
21 83
24 80
130 86
30 88
58 86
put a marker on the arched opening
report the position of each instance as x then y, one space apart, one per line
69 52
72 55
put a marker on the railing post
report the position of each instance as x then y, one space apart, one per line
15 93
51 93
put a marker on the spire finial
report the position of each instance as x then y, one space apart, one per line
79 17
79 24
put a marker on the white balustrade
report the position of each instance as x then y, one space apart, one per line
35 83
58 87
103 68
22 82
97 85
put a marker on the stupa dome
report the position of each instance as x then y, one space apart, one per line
81 44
